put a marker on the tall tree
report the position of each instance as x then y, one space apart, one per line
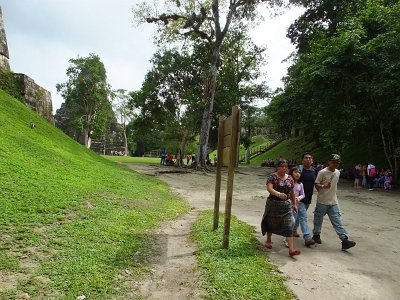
124 112
174 98
170 95
209 21
86 95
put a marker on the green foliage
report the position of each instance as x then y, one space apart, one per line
86 95
344 82
173 90
9 83
321 18
170 94
242 272
209 23
70 220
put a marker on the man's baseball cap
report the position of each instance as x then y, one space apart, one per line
334 157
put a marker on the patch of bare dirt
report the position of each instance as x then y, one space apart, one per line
368 271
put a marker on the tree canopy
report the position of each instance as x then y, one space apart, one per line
173 89
86 94
209 21
344 82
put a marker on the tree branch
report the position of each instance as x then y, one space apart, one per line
202 34
165 18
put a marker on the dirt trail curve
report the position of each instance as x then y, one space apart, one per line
371 270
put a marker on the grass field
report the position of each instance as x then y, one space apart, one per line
134 160
70 220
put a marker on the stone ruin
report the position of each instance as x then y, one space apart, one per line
34 96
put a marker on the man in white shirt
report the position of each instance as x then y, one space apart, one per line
327 202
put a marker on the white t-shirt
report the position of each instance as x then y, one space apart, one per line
328 196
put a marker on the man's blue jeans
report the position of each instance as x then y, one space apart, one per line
334 214
302 220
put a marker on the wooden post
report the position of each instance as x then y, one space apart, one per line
231 173
218 175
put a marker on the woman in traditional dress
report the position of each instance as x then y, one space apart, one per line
278 218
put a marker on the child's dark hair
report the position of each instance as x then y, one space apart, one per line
292 169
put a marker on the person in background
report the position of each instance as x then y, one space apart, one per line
357 176
278 217
163 157
388 180
327 203
364 175
169 160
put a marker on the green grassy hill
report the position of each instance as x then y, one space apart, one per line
358 151
70 220
257 141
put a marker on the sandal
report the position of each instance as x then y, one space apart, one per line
268 245
294 252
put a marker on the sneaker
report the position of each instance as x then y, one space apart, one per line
347 244
370 189
317 239
309 242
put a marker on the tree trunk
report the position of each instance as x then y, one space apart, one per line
209 93
247 155
125 140
86 138
389 148
209 89
182 146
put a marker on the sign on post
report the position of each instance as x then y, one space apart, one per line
227 154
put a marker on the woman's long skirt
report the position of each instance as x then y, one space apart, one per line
278 218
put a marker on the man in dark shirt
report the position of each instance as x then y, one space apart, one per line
308 175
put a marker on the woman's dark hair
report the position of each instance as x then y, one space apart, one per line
282 162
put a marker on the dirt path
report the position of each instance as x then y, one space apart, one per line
368 271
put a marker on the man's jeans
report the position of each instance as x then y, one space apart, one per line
302 220
334 214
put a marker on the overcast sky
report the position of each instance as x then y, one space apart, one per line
43 35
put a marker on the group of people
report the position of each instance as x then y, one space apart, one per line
167 159
290 193
366 175
117 153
